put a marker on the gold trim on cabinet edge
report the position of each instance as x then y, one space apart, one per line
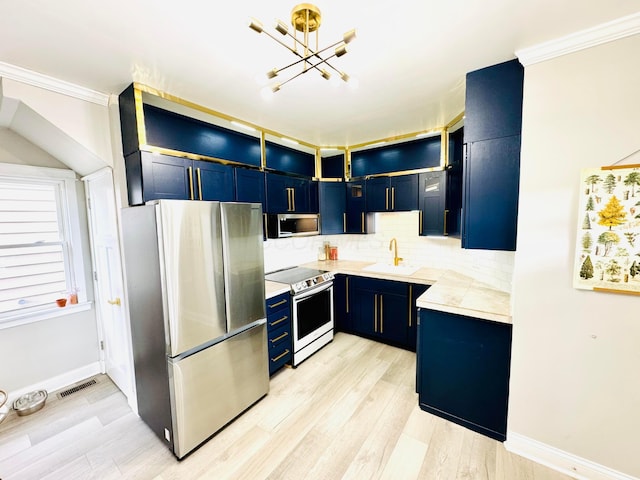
142 130
194 156
215 113
140 88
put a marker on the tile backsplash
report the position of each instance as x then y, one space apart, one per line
489 266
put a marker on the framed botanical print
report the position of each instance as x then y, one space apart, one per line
607 255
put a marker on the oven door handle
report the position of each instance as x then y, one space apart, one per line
320 288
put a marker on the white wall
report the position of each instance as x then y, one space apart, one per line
16 149
492 267
59 349
576 354
86 122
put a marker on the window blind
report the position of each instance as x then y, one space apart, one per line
32 245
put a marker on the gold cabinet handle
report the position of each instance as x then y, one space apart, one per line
280 320
393 198
277 339
410 303
362 218
286 352
381 314
375 312
346 280
445 222
386 198
344 223
293 199
190 172
420 227
265 226
288 199
199 183
114 302
281 302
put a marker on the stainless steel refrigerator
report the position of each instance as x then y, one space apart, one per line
195 287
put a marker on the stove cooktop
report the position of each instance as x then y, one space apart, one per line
300 278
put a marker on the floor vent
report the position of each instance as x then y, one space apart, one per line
77 388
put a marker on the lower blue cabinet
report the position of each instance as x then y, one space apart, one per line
379 310
279 331
463 366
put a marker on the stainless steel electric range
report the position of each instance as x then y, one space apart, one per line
312 308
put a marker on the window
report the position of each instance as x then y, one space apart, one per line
37 264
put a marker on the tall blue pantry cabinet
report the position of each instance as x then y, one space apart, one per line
493 125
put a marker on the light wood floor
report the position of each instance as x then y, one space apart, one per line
348 412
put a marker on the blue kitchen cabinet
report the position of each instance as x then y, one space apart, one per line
379 310
341 318
288 160
415 290
433 209
463 367
392 194
491 163
332 167
279 331
493 102
177 132
399 157
314 200
454 179
356 219
377 194
490 194
213 181
333 207
287 194
250 186
153 176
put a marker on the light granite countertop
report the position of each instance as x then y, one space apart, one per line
450 291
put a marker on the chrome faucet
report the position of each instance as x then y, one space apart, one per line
396 258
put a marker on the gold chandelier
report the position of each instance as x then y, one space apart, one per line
306 18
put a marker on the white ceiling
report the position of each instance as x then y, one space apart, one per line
410 56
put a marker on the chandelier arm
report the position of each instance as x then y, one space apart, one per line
311 52
280 85
292 78
292 50
307 57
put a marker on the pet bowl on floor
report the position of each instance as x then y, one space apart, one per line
30 402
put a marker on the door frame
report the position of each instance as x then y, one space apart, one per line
99 301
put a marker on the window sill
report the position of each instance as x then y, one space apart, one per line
31 317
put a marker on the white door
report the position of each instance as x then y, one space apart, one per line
113 325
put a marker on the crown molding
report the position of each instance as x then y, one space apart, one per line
53 84
591 37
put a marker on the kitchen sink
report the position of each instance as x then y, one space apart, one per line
392 269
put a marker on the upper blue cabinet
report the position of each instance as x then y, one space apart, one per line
491 166
333 166
144 125
170 130
413 155
493 104
285 159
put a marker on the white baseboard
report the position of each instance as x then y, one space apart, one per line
58 382
560 460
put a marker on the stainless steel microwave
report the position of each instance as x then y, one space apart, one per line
283 225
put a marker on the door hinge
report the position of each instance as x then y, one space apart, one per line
101 344
95 276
